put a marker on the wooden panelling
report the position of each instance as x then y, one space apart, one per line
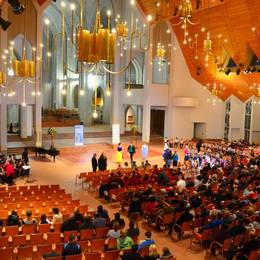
233 20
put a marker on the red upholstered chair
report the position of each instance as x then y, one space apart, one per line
93 256
4 241
37 239
101 232
53 237
67 235
74 257
19 240
44 228
29 229
7 253
111 255
12 230
42 249
86 234
97 244
84 245
25 252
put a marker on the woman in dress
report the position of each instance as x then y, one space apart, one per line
119 154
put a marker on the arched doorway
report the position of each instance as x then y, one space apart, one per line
76 96
129 118
98 99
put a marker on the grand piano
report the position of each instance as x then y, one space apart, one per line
42 151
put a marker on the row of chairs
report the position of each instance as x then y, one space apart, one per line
43 197
30 187
29 192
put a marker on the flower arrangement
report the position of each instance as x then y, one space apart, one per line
52 131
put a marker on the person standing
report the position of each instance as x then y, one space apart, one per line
102 162
94 162
144 151
25 156
175 159
131 151
119 154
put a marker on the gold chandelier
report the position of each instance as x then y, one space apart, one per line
185 12
95 50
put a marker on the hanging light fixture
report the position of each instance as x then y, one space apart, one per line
185 12
97 48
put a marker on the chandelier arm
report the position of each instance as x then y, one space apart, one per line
176 24
145 48
116 72
190 22
91 68
70 70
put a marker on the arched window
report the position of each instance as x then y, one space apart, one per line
100 98
134 74
19 43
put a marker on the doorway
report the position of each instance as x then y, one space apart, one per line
157 122
199 131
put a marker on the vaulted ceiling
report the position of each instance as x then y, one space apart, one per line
234 28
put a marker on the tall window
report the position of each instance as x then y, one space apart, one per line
248 114
227 120
134 75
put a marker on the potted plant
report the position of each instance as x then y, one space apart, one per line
52 132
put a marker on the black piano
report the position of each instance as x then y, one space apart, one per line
41 152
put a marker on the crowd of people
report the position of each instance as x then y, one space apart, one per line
217 186
13 166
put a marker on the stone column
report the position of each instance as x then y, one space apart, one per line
139 118
38 96
26 118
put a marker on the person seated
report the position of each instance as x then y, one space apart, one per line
133 254
44 219
133 231
147 241
99 221
69 225
13 219
29 219
87 223
153 253
78 217
124 241
114 232
72 247
166 254
119 220
102 212
57 216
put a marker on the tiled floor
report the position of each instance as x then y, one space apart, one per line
73 160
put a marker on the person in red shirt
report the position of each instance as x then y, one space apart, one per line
9 173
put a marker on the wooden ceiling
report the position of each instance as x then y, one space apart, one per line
230 24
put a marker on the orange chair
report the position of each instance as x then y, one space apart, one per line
44 228
144 251
67 235
7 253
101 232
4 241
29 229
200 238
97 244
224 247
59 248
93 256
57 227
185 227
42 249
86 234
74 257
19 240
53 237
84 245
37 239
111 255
12 230
238 239
25 252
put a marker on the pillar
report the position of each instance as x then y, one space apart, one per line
3 125
26 121
139 118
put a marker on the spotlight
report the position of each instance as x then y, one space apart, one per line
17 6
238 71
4 24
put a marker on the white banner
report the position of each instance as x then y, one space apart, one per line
79 135
115 133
